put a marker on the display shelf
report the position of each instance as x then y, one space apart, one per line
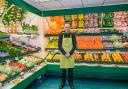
92 34
94 50
12 58
4 37
103 50
28 78
105 71
17 74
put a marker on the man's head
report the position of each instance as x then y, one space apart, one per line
67 28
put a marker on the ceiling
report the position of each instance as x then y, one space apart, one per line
68 4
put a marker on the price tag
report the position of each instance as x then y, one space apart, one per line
118 51
108 51
7 61
56 51
16 58
113 35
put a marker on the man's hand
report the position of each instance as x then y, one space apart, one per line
67 55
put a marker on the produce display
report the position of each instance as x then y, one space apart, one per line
105 57
57 57
30 61
9 48
49 56
78 56
53 43
91 20
88 57
17 65
9 70
120 19
117 57
90 43
3 77
107 19
125 55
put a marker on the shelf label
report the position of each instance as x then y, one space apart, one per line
16 58
7 61
108 51
117 50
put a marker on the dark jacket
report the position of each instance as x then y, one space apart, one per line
60 43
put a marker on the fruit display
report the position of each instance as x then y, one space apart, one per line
78 56
9 70
80 24
119 19
59 20
117 57
52 32
125 56
118 44
53 43
50 56
105 57
96 57
3 77
30 61
91 20
17 65
57 57
90 43
74 17
88 57
68 18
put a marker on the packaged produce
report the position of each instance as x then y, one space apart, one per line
88 57
105 57
78 56
117 57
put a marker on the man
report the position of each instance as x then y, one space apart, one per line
67 46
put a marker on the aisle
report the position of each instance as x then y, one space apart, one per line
53 83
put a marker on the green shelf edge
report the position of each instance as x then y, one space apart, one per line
4 38
30 79
79 71
93 34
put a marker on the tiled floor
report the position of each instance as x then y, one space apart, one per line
53 83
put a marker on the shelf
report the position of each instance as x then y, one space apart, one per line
12 58
28 78
94 34
103 50
4 37
94 50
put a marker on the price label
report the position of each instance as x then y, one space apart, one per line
118 51
56 51
7 61
113 35
16 58
108 51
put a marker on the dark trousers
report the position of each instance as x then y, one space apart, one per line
70 75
